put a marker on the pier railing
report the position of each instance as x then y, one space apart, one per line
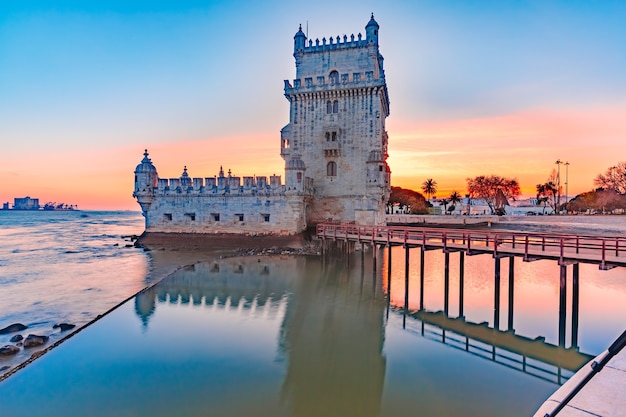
607 252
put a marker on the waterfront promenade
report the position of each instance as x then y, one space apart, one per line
597 389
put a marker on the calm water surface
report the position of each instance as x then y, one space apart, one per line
292 336
303 337
65 266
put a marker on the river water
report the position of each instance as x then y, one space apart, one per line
65 267
298 336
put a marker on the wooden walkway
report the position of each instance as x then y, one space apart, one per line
606 252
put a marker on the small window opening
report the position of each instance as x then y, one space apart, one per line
334 136
329 107
216 217
331 169
299 177
266 218
334 77
167 217
239 216
335 106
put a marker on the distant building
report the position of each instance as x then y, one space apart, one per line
26 203
334 147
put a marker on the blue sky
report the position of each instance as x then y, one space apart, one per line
476 87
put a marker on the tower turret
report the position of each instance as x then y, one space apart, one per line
185 181
294 173
146 179
299 41
371 31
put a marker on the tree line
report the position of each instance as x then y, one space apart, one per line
496 191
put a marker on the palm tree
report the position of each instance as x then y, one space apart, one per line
455 198
429 187
444 202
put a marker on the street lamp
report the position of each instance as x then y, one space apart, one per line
558 185
566 182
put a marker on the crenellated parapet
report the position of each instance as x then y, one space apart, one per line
335 43
221 186
355 80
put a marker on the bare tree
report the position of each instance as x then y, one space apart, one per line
614 178
486 187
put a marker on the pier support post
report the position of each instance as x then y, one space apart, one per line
406 284
389 271
406 277
374 255
511 290
461 282
562 303
575 305
422 279
496 295
446 285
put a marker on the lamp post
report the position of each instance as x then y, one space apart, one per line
566 183
558 185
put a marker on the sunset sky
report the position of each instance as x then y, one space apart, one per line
476 87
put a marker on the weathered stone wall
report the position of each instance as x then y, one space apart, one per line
338 106
214 213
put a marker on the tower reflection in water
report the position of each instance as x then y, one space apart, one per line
330 335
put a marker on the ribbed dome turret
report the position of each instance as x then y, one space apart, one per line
372 22
299 40
146 165
371 31
296 163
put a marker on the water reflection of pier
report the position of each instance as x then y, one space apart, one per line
606 252
531 356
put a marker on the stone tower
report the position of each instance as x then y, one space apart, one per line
336 131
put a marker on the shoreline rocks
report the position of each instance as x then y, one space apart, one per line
64 326
33 340
9 350
15 327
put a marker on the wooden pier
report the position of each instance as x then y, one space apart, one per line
606 252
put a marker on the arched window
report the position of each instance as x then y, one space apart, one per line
299 177
331 169
335 106
334 77
329 107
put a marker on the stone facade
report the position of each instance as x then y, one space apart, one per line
334 147
338 106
